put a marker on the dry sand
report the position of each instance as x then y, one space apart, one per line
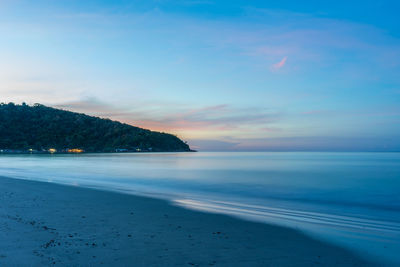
44 224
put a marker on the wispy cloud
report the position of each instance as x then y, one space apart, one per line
280 64
184 120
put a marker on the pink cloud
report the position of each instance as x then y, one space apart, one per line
280 64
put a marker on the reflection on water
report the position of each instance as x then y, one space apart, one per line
348 198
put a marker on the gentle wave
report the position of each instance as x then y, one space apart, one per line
264 213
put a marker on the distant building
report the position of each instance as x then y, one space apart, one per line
121 150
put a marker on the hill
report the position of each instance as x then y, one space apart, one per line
40 128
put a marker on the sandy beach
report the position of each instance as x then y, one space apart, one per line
48 224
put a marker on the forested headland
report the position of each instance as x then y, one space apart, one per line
39 128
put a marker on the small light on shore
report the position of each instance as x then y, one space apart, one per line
75 150
52 150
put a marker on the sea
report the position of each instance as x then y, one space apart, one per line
348 199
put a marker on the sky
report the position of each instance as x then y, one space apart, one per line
222 75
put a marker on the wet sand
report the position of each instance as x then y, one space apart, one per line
45 224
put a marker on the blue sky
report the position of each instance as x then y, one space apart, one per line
224 75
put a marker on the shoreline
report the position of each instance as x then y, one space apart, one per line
45 223
89 152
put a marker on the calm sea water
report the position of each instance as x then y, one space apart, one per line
352 199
